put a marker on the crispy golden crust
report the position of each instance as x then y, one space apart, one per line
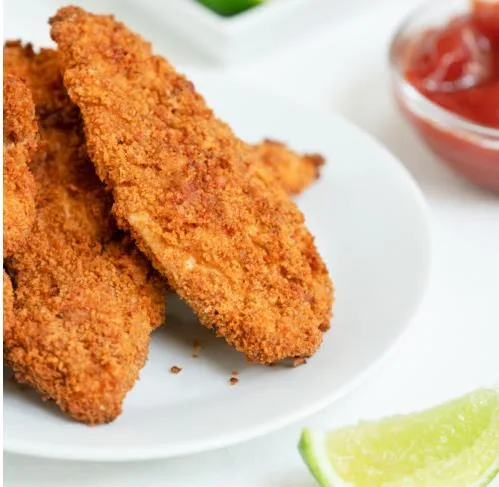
8 302
233 246
292 171
19 144
85 300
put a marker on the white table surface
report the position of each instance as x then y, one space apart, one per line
453 344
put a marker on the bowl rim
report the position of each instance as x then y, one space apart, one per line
426 107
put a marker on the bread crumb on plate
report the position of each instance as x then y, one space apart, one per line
175 369
196 347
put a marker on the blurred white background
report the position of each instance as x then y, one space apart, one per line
452 346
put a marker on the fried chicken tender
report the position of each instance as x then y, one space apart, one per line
20 134
85 300
292 171
231 244
20 139
8 302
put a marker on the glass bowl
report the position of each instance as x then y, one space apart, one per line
469 148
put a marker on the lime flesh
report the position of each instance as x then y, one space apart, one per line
453 445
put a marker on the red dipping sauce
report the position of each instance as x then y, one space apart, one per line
456 67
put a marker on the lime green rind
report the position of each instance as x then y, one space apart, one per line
489 478
455 444
306 449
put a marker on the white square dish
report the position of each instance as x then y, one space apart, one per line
228 39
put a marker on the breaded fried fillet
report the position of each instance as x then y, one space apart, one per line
20 135
232 245
85 300
8 302
292 171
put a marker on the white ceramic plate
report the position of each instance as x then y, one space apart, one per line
371 227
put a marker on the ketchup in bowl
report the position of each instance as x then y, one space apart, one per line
456 67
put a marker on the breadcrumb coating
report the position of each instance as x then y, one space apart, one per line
20 134
85 300
8 302
231 244
293 172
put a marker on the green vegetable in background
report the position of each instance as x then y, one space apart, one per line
230 7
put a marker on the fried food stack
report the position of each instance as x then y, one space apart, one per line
124 181
85 301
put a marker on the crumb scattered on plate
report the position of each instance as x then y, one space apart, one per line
196 346
175 370
233 381
234 372
298 361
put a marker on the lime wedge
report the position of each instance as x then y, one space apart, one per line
452 445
